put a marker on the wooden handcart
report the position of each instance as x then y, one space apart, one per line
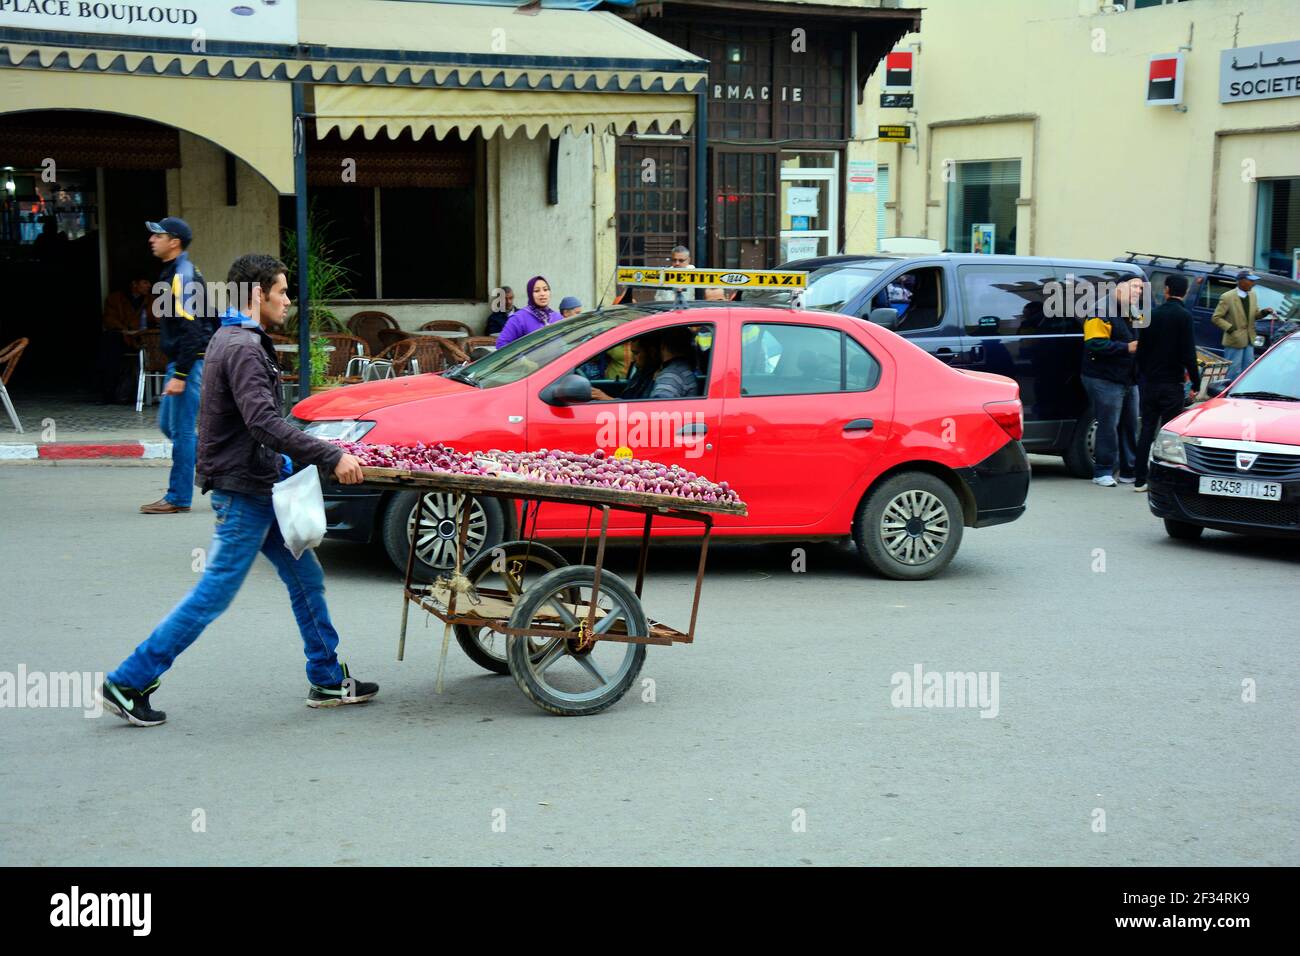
573 636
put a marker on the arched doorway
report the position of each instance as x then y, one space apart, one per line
78 186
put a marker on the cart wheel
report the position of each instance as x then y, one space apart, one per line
570 679
525 562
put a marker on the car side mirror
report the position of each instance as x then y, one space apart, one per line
886 318
1215 389
572 389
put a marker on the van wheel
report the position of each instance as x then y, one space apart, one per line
435 544
1080 454
909 528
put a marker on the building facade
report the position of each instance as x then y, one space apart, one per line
785 95
450 149
1031 123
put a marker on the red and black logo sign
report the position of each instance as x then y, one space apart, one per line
1161 79
898 70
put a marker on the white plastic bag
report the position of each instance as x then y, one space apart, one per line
300 510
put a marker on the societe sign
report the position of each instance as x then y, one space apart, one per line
262 21
1259 72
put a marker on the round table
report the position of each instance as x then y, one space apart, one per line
291 347
450 334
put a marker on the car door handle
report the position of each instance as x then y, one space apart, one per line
693 428
860 425
945 355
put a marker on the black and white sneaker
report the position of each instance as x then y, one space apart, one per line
350 691
130 704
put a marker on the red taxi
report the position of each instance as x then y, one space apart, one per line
827 426
1233 463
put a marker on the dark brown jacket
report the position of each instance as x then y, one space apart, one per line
241 433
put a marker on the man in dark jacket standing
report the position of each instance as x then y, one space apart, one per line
1108 378
238 461
1166 351
185 327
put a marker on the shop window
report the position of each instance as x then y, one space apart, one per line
408 222
809 204
883 227
982 207
1277 225
654 202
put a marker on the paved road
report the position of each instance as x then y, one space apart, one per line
772 740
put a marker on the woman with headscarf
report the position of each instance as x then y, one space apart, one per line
532 316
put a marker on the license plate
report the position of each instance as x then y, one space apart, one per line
1241 488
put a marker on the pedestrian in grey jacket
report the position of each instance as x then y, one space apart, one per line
241 441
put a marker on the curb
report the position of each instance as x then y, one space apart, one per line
83 451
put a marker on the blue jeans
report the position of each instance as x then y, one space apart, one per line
177 416
1238 359
245 525
1115 408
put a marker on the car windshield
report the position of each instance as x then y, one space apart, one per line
526 355
1276 375
830 288
1283 299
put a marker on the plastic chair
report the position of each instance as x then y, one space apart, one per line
9 356
367 325
153 366
391 362
346 348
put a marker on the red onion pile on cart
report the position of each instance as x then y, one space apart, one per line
596 470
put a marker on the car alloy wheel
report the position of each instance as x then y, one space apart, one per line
914 527
436 542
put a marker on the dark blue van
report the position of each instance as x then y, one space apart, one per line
1208 281
984 313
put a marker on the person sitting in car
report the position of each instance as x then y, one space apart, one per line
645 363
676 379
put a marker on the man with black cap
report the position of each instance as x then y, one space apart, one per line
183 319
1166 355
1236 314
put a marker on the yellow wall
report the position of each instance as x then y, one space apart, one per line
1112 173
197 193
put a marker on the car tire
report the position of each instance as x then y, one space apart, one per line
437 550
1078 455
1182 530
882 539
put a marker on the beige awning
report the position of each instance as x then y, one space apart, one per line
263 136
392 110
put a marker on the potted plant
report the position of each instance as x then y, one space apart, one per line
320 363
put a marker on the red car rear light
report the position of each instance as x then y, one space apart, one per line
1009 415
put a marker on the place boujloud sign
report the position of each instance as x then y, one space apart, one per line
1259 72
261 21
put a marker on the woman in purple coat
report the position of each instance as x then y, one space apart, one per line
532 316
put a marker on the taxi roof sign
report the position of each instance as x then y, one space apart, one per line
711 278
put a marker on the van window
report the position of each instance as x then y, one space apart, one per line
1212 290
779 359
1158 285
917 294
1085 290
1009 300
